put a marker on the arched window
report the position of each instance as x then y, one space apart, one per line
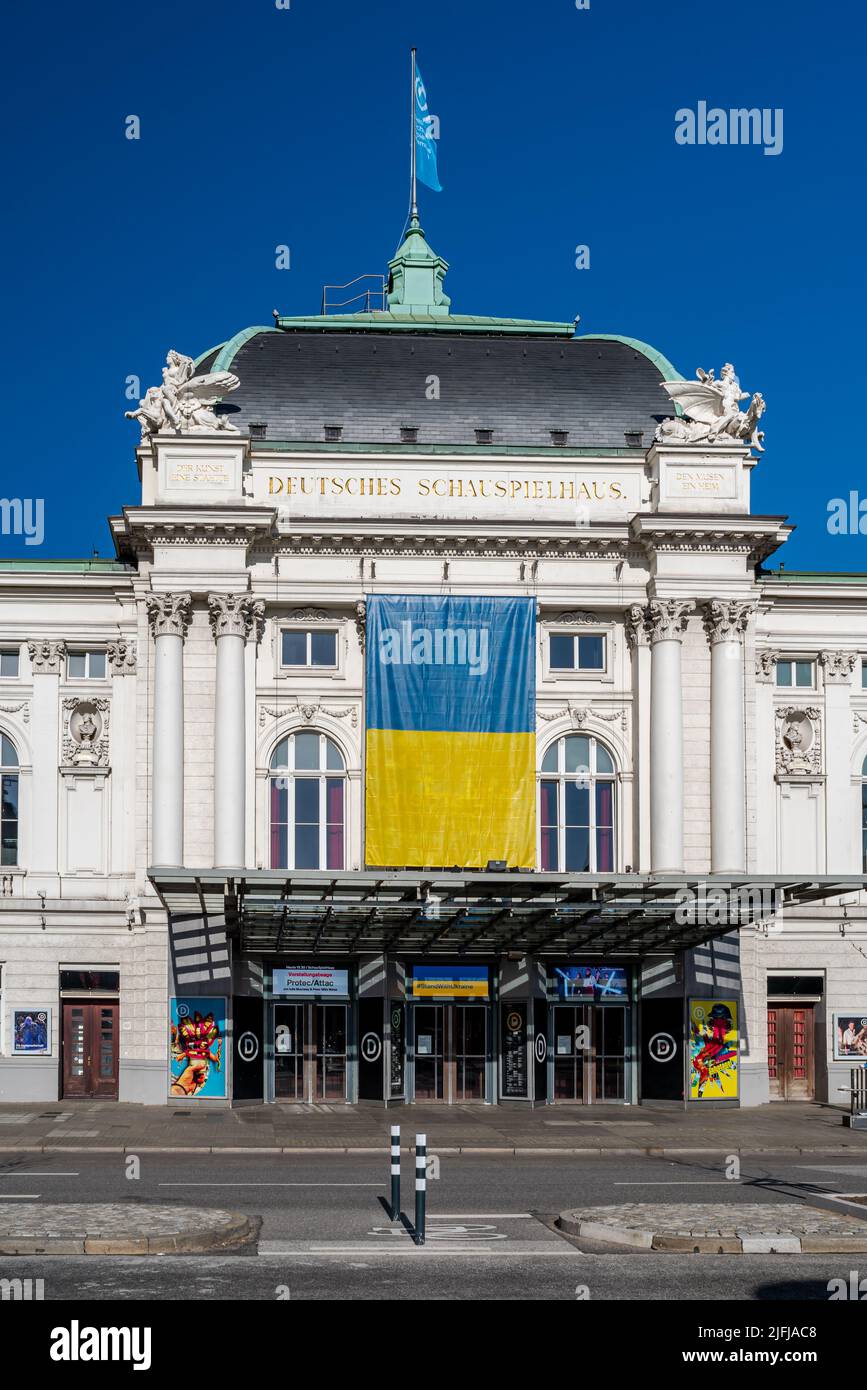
576 807
864 816
8 802
308 803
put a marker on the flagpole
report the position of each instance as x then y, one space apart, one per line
413 202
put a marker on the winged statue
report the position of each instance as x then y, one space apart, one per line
711 411
184 402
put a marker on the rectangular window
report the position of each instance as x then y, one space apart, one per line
800 675
9 663
864 675
308 648
570 651
86 666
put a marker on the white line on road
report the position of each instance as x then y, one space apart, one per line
270 1184
681 1182
480 1216
20 1196
35 1173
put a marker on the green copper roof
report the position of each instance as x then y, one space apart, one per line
669 371
814 576
421 322
96 566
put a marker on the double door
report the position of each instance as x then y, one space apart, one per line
311 1052
90 1050
589 1052
451 1052
791 1052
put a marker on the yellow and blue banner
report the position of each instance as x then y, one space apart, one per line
450 982
450 776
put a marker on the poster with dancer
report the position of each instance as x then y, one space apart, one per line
197 1030
713 1049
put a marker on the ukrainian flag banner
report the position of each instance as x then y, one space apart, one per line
450 777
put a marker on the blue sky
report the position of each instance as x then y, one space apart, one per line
262 127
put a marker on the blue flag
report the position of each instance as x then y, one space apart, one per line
425 144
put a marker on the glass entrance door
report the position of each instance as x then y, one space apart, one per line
429 1051
589 1053
471 1050
330 1033
289 1052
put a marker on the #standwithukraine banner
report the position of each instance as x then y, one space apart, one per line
451 688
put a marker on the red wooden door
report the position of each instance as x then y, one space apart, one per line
791 1060
90 1049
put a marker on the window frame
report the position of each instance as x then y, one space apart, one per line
10 770
576 631
863 780
87 653
308 668
14 651
560 778
323 775
793 662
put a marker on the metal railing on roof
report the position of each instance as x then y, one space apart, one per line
370 298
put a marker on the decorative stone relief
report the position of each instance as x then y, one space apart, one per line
579 714
636 628
838 666
236 615
308 712
857 719
23 709
726 620
169 614
46 658
666 619
183 403
85 739
799 740
122 657
576 618
766 667
361 623
711 412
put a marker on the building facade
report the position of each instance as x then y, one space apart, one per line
187 907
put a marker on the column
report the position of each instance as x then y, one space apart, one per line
169 616
233 617
843 852
46 663
725 623
666 621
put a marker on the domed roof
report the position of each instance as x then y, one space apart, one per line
368 378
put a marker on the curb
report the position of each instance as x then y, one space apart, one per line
238 1231
768 1243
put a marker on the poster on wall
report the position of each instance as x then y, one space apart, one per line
31 1032
451 743
450 982
591 982
197 1036
713 1049
850 1036
309 981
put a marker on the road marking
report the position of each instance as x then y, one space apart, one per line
679 1182
20 1196
857 1171
271 1184
480 1216
35 1173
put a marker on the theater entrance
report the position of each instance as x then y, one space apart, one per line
589 1053
450 1048
311 1052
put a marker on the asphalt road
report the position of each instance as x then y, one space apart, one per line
325 1234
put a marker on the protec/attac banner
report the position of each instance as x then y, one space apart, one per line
450 778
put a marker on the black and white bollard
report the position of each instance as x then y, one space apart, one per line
420 1186
395 1172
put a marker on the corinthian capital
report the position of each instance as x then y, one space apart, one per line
169 614
635 623
726 620
666 619
46 658
236 615
838 667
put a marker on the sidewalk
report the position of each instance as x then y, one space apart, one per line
122 1229
110 1127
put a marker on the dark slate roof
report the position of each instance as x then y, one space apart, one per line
372 384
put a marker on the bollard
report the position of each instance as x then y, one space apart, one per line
395 1172
420 1186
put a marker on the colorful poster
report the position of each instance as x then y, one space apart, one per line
198 1030
713 1049
451 744
450 982
591 982
850 1036
31 1032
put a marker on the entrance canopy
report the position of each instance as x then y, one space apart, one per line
482 914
